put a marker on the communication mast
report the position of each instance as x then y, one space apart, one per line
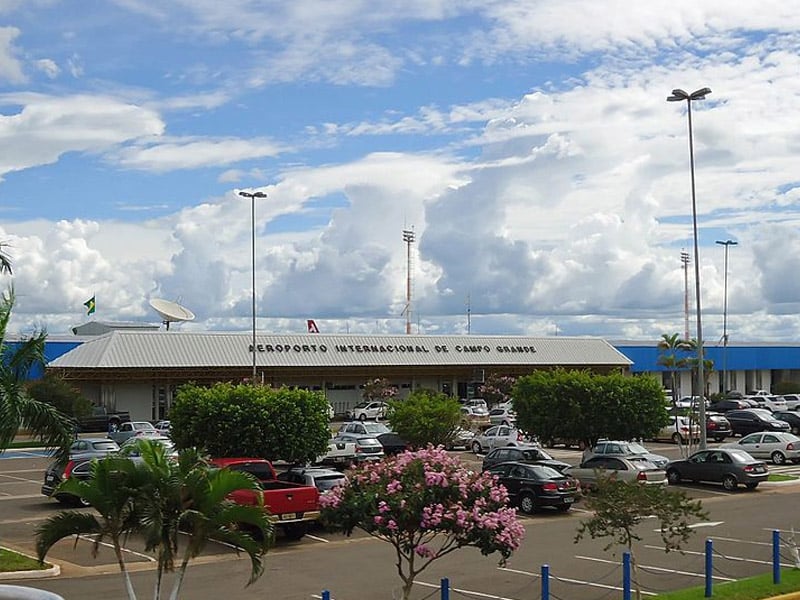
408 238
685 261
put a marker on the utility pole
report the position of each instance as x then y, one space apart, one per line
408 238
685 261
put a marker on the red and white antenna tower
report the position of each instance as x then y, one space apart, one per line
408 238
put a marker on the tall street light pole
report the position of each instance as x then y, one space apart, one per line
253 196
727 244
679 95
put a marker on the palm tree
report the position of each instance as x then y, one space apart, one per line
17 409
158 497
112 490
5 259
670 348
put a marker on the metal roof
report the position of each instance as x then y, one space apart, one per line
122 349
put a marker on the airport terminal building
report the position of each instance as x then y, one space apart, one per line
140 370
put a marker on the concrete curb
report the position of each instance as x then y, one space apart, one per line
53 571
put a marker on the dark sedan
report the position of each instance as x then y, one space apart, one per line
728 466
791 417
754 419
523 454
532 487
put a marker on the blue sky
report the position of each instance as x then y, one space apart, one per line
528 143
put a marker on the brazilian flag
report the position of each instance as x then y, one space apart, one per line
90 306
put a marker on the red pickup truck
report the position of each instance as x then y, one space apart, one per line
292 506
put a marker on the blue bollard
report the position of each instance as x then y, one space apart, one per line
445 588
545 582
776 556
626 576
709 567
326 595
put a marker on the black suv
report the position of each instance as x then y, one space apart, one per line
754 419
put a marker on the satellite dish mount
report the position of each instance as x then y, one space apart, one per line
171 312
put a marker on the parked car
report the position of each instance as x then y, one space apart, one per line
621 448
726 404
479 404
132 450
497 437
791 417
164 427
792 401
717 426
689 402
321 478
367 448
460 438
369 410
133 429
502 416
624 468
474 419
340 454
92 447
754 419
391 442
56 472
523 454
728 466
532 486
680 430
102 419
771 403
774 445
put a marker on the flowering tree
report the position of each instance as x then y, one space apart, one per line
497 388
426 505
379 389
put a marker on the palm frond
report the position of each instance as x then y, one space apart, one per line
62 525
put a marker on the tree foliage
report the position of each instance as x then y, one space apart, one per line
618 507
18 410
52 389
497 388
425 417
378 389
162 500
227 420
426 504
580 405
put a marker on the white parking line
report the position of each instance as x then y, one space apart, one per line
654 568
318 539
128 550
724 556
463 591
576 581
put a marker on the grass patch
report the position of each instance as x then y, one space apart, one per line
781 477
14 561
752 588
30 444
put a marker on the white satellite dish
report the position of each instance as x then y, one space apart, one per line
171 312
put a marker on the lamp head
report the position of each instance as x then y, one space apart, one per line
677 95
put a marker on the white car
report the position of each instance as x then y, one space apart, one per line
773 403
678 430
792 401
341 453
502 416
771 445
369 410
497 437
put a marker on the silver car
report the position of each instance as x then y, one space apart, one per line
367 448
497 437
622 468
776 446
621 448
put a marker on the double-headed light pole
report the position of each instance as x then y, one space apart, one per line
679 95
253 196
727 244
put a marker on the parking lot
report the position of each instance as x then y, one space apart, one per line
740 525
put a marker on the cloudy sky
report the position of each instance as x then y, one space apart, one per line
527 143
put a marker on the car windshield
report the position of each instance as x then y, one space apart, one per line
740 456
642 463
545 472
143 426
376 428
105 446
328 482
635 448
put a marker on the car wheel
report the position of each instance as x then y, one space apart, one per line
751 485
729 482
362 417
564 507
796 430
294 531
719 439
527 504
476 447
677 438
778 458
673 477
